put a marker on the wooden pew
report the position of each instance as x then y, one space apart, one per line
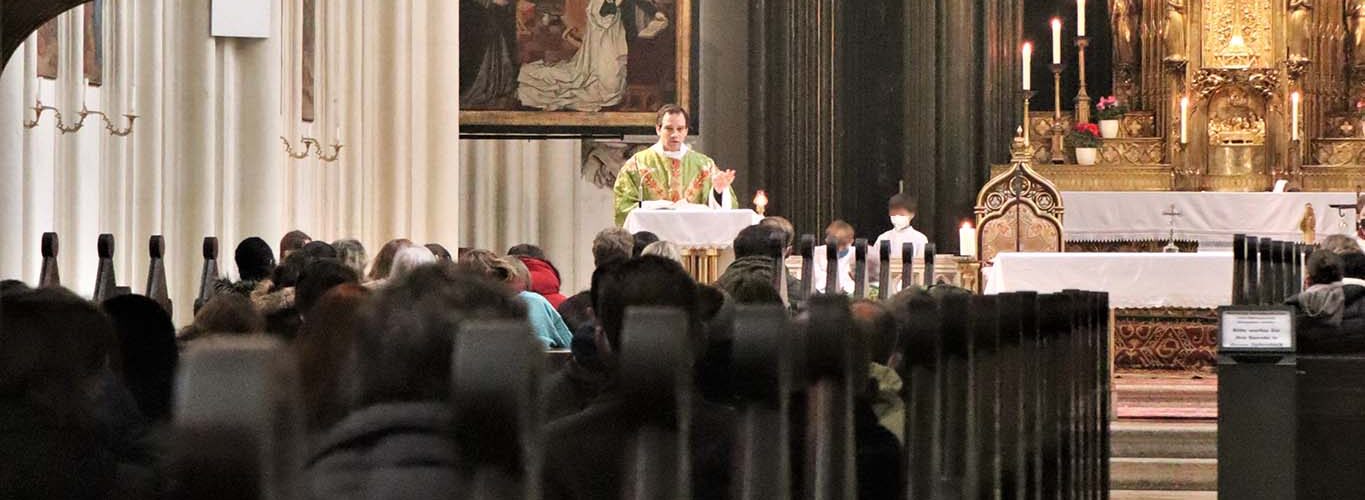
829 471
884 271
920 348
1239 269
496 372
1266 281
1253 271
860 267
805 246
907 256
656 377
48 275
983 418
156 273
832 283
1012 429
209 275
1032 393
930 251
1331 426
761 362
954 391
105 283
237 428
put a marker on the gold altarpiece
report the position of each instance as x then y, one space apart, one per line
1237 62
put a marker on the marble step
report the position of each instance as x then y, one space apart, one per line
1166 398
1164 439
1165 474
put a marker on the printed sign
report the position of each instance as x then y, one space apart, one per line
1256 329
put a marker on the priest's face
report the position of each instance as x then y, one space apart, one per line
672 131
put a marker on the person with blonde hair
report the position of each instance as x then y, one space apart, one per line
408 259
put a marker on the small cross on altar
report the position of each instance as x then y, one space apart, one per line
1171 212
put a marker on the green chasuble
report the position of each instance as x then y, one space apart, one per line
659 177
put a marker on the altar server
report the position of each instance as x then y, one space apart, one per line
842 232
901 208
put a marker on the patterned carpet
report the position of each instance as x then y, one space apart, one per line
1167 339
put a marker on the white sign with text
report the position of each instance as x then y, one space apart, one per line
1256 330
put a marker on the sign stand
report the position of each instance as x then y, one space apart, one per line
1257 395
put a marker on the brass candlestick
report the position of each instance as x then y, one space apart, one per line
1058 128
1027 94
1082 98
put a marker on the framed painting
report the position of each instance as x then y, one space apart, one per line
574 67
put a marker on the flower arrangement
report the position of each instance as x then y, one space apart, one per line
1109 108
1084 135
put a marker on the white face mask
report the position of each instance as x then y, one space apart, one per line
900 221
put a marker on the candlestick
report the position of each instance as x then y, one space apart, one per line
1080 18
1184 119
1028 94
1058 128
1082 98
966 240
1027 52
1056 41
1294 115
761 202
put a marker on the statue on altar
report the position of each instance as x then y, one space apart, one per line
1173 34
1124 20
1235 122
1355 31
1300 13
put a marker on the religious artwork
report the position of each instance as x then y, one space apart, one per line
602 159
1174 32
46 38
93 55
1300 14
1237 33
576 64
1355 24
308 52
1308 225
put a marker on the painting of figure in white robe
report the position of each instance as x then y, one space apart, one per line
574 63
594 78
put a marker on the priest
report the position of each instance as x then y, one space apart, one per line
671 172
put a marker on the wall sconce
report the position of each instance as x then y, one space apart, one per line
315 146
39 108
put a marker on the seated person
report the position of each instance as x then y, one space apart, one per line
901 208
843 234
749 279
399 439
1319 309
585 451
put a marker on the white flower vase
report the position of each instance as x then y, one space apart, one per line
1086 156
1109 129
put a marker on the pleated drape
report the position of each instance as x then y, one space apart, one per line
205 156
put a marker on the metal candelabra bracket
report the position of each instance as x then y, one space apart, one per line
39 108
317 149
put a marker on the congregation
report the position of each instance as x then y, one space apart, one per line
89 390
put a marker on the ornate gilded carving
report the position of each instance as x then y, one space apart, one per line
1124 17
1355 24
1337 152
1237 33
1138 124
1136 151
1234 119
1208 81
1331 178
1018 210
1103 177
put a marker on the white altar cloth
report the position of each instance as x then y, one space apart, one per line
698 227
1133 280
1210 218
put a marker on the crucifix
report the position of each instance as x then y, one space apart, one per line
1170 247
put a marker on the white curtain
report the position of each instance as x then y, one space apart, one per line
523 191
205 156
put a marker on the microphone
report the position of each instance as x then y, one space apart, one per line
639 187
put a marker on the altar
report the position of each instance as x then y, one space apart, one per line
704 235
1163 303
1209 218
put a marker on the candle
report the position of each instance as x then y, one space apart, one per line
44 95
1056 41
1184 119
132 100
761 201
338 136
1294 115
966 239
1080 18
1027 51
85 89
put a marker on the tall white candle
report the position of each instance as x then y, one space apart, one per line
1080 17
966 239
132 100
1056 41
1184 120
1293 122
85 89
1027 51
